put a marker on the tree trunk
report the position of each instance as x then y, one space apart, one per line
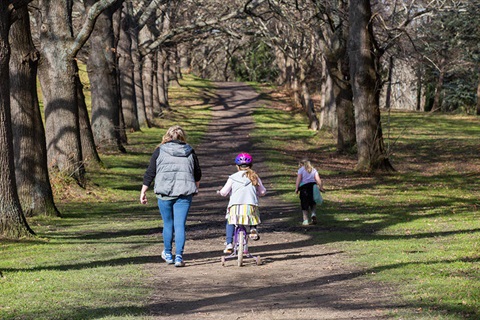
478 93
307 101
336 59
12 220
342 93
125 70
138 79
103 79
438 91
157 110
162 84
89 149
57 78
330 112
388 94
147 80
33 183
371 150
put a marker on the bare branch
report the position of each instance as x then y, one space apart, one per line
89 24
166 37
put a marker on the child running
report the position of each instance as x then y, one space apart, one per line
243 187
307 179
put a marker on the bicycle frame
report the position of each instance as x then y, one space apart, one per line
240 247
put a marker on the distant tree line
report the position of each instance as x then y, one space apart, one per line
356 55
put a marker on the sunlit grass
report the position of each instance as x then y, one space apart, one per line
417 228
92 263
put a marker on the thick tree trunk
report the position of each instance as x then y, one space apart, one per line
33 183
103 79
342 93
138 80
147 80
307 101
371 150
330 112
12 220
57 78
336 59
125 69
162 84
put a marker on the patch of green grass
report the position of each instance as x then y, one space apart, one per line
417 228
94 261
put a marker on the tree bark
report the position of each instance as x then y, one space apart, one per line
306 99
89 150
138 78
125 70
162 74
371 150
334 35
57 67
12 220
478 93
102 73
438 91
33 183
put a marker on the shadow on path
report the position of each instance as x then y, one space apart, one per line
300 279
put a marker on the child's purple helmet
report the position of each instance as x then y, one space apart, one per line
243 159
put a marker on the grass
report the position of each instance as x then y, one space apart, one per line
91 263
418 228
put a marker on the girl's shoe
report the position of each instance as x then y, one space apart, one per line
228 248
179 261
314 219
254 234
305 223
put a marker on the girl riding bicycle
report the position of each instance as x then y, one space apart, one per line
243 187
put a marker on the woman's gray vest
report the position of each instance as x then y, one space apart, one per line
175 166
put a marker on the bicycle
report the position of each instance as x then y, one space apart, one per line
240 247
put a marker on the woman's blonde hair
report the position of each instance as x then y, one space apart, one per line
306 164
174 133
251 175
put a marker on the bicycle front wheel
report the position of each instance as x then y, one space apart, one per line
241 246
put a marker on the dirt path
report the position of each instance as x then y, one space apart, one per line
298 279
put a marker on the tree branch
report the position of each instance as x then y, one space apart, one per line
89 24
146 49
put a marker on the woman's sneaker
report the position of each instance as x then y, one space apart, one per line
228 248
167 257
179 261
314 219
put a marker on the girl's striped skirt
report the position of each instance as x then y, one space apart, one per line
245 214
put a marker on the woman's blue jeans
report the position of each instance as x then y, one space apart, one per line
174 215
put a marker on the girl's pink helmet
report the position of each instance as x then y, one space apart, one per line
243 159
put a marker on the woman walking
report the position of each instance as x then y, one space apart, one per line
175 169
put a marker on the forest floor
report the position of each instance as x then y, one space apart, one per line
298 279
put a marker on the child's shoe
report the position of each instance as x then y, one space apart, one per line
179 261
167 257
228 248
314 219
305 223
254 234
